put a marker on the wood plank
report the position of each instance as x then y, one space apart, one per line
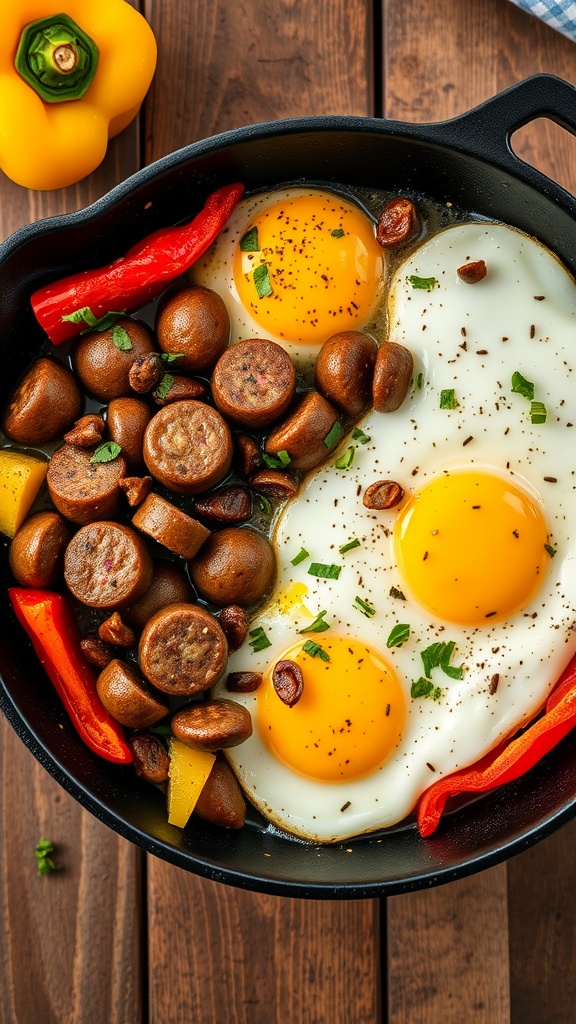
444 966
71 948
241 957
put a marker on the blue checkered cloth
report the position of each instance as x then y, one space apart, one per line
559 14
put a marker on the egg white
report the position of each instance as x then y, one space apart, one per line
446 328
215 270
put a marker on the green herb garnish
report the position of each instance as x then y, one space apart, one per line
346 460
171 357
259 640
364 607
425 283
44 861
323 571
420 381
538 412
85 315
164 386
279 461
551 551
300 557
106 452
438 656
425 688
160 730
359 435
318 626
448 399
315 650
521 386
398 635
394 592
121 338
262 281
337 233
264 503
349 546
249 241
334 435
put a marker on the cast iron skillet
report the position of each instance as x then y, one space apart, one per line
467 161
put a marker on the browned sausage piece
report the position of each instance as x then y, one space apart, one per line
145 372
188 447
344 371
194 322
275 483
303 434
82 490
182 649
232 504
107 565
398 223
221 801
115 631
126 420
175 388
86 432
247 455
170 526
234 622
212 725
136 489
37 551
392 376
254 382
103 367
44 404
235 566
126 696
96 651
169 585
151 761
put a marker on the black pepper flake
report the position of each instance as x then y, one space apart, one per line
482 352
532 330
463 332
515 534
430 766
494 683
539 298
345 806
425 556
489 615
551 479
387 710
467 441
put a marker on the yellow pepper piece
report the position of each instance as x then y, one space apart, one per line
50 145
21 477
188 772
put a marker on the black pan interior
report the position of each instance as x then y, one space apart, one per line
358 152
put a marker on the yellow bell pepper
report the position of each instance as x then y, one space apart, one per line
68 84
189 770
21 477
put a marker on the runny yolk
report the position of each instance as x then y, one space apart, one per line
321 263
470 547
349 718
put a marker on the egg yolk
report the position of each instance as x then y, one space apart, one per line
315 269
349 718
470 547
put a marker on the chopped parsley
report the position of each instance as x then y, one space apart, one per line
323 571
315 650
425 688
420 381
44 862
106 452
424 283
334 435
160 730
259 640
337 233
399 635
279 461
394 592
438 656
551 551
265 505
349 546
521 386
164 387
359 435
448 399
300 557
121 338
346 460
318 626
171 357
94 323
364 607
262 281
249 241
538 412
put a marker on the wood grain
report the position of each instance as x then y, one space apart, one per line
252 959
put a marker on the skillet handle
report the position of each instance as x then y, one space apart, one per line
488 127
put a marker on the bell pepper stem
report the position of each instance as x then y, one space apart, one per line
56 58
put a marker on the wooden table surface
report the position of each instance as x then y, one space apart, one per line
118 937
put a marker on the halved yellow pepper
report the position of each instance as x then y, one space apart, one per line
21 477
188 772
46 144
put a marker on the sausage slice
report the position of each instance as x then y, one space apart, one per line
344 371
82 490
235 566
107 565
183 649
303 434
170 527
126 420
188 447
127 697
392 376
37 551
254 382
169 585
102 366
44 405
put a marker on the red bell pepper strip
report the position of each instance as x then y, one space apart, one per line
52 627
507 762
136 278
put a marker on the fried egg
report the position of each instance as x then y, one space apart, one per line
479 556
296 266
